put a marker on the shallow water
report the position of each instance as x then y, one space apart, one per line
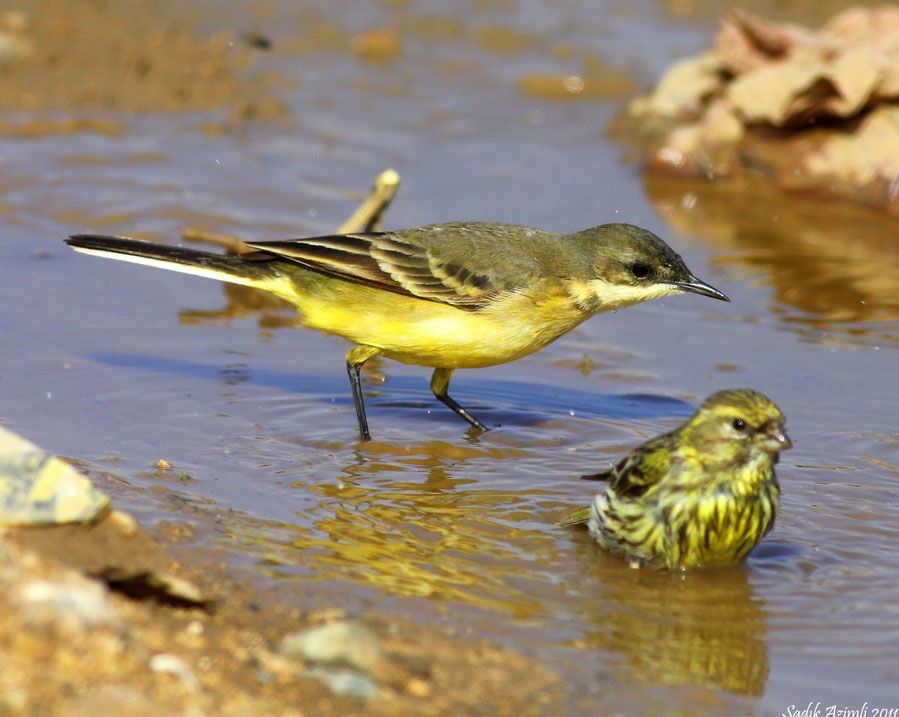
121 366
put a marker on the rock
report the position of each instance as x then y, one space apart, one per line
13 48
345 683
71 602
683 90
125 523
811 111
346 643
39 489
174 665
332 649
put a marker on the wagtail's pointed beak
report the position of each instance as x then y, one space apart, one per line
698 286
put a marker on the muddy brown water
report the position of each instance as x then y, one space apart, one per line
122 365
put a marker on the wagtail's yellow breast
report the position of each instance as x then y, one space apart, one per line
458 295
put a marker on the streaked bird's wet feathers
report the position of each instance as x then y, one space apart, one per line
704 494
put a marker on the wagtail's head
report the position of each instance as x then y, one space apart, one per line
630 265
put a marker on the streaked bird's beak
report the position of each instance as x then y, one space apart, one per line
698 286
773 440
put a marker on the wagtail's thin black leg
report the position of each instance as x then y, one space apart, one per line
440 380
354 360
356 383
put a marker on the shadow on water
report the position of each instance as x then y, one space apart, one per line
775 552
514 402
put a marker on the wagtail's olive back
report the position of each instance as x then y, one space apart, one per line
458 295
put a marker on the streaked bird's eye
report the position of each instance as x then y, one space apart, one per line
640 270
739 424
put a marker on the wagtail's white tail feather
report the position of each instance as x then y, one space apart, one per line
249 269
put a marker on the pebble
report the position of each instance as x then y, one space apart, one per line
174 665
72 602
335 648
13 48
345 683
348 643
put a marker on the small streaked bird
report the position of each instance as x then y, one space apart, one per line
704 494
448 296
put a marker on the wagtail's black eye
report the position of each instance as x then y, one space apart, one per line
640 270
739 424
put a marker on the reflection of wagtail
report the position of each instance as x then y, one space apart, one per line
460 295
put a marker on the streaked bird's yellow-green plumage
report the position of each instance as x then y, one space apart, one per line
704 494
457 295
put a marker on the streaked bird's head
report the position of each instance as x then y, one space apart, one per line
627 265
735 428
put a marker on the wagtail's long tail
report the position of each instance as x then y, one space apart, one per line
250 270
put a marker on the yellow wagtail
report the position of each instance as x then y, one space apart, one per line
458 295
